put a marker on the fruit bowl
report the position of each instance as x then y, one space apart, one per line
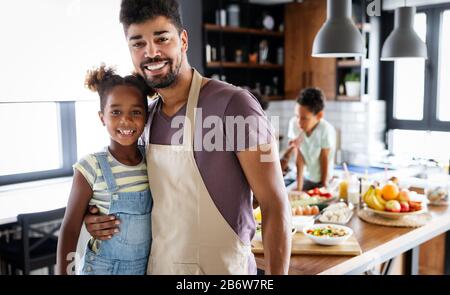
395 215
326 239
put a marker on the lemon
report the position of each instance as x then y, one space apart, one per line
257 214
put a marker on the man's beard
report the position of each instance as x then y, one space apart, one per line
165 81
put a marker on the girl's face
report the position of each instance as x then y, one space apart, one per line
124 115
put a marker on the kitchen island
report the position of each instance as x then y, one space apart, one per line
379 244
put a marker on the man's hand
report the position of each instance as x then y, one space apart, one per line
101 227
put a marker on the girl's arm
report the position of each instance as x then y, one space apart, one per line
79 198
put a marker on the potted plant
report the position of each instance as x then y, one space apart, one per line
352 84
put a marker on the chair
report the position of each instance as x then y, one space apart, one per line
33 251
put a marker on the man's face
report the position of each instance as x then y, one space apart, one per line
306 120
157 50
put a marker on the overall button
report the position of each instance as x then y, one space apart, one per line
115 197
88 268
91 257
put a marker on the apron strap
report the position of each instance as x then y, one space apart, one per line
102 159
189 123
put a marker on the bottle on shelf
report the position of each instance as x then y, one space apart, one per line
233 15
263 51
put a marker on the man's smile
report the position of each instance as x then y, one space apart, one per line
154 67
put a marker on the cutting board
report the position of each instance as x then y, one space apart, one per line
301 244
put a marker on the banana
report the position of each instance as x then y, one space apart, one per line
380 199
375 203
368 192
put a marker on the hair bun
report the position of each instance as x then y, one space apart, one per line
96 77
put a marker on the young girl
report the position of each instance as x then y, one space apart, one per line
115 180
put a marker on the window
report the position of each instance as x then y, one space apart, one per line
30 125
407 143
419 109
43 61
91 135
54 44
443 105
409 80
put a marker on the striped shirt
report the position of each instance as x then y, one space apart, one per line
128 178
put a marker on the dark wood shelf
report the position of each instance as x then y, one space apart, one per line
348 63
238 30
243 65
348 98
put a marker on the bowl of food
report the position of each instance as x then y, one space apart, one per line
328 234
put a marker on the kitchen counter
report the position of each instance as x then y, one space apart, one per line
378 243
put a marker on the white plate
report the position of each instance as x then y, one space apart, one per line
328 241
395 215
348 216
299 222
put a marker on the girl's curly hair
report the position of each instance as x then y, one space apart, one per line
103 79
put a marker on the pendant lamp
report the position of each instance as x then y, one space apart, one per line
403 42
338 36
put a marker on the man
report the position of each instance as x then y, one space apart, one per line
202 219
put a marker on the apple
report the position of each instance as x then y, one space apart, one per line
415 206
404 206
326 195
393 206
404 195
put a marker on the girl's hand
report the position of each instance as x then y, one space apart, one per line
101 227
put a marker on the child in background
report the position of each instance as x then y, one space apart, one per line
115 180
314 139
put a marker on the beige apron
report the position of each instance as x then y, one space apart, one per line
190 236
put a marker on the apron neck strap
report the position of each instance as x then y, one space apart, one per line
189 123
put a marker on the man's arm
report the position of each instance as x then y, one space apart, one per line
300 162
263 172
324 166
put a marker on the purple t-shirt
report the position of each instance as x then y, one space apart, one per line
221 104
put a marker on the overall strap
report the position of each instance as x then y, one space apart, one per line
108 176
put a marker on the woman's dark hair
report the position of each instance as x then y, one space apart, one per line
103 80
139 11
313 99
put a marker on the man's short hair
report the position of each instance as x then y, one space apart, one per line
139 11
313 99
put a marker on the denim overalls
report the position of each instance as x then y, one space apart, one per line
126 253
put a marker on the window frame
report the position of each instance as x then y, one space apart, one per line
430 121
67 135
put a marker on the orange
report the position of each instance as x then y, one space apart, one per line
390 191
